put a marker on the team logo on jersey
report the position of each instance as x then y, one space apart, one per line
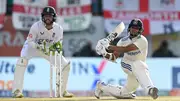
30 35
40 41
53 35
134 53
41 33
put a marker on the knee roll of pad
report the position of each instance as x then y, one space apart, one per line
22 62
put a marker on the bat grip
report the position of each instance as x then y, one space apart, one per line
112 36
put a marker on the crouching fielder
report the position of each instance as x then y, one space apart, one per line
44 33
135 47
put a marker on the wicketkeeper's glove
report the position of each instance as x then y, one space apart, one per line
41 46
56 47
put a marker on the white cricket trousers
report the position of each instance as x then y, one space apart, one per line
27 53
137 74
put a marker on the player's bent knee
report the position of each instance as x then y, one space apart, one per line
22 62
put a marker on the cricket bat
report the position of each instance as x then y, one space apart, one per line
116 32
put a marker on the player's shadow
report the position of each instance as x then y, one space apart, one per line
111 99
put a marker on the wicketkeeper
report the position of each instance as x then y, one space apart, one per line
44 36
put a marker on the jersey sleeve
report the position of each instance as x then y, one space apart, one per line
32 35
60 35
141 44
124 41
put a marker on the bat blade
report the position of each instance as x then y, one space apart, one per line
119 29
116 32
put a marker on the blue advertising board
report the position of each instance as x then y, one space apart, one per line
85 72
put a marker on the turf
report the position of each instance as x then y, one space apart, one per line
165 98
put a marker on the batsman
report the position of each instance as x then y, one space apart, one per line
134 46
44 36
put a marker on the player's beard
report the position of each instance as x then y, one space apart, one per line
133 34
48 22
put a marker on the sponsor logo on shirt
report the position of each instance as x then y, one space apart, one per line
134 53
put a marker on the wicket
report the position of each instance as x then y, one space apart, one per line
58 70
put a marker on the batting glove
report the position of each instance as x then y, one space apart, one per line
100 49
104 42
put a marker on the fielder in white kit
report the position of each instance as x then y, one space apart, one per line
135 48
44 35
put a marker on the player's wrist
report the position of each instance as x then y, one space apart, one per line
104 54
110 56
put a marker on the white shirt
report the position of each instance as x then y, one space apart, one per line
140 54
38 33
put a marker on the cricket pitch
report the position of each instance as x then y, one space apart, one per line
162 98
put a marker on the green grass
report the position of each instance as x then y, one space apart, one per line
165 98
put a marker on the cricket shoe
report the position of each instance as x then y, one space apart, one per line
126 96
153 92
98 91
67 94
17 94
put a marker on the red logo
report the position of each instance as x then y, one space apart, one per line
119 4
30 35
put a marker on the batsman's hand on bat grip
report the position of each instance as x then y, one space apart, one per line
100 49
104 42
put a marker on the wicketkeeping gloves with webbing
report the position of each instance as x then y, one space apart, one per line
54 47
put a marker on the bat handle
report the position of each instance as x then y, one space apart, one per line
112 36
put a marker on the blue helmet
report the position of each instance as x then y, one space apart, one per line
136 23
